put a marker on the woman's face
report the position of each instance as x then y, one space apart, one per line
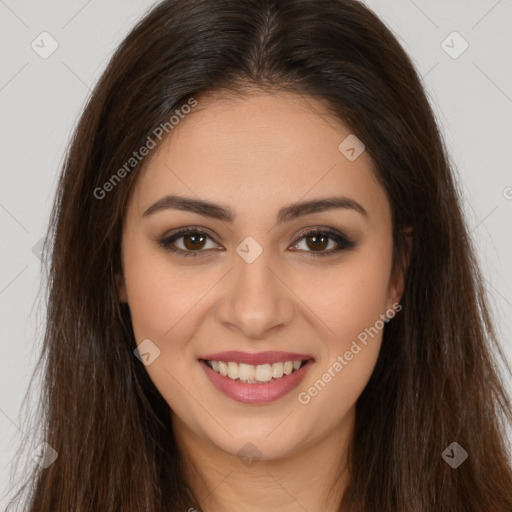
249 282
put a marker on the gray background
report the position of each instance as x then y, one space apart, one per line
40 100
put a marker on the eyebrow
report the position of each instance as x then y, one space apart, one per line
224 213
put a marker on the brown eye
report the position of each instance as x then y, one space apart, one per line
317 242
323 243
194 241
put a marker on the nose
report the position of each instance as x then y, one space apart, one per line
256 299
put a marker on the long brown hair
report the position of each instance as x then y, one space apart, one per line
437 379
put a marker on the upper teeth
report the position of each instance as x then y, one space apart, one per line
249 373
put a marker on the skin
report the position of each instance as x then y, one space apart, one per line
256 154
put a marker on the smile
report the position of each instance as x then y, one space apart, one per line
256 378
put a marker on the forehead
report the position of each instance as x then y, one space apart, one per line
258 152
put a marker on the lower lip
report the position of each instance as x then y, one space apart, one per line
263 393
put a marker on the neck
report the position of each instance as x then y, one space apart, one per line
312 478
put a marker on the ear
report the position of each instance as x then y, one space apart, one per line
397 280
121 287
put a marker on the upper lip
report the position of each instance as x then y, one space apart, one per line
256 358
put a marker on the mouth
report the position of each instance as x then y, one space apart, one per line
256 378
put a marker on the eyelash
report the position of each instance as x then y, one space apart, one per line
343 242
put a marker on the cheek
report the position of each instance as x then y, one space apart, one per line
165 302
353 297
160 295
351 307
